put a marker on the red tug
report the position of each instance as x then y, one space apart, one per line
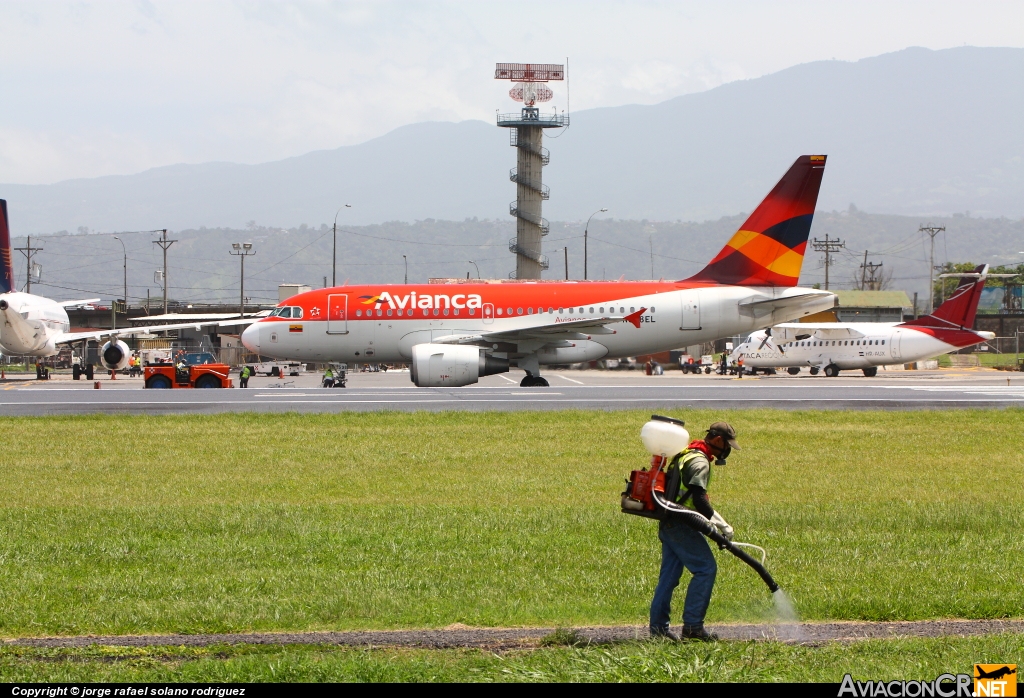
193 371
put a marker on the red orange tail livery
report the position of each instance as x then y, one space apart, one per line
768 249
6 263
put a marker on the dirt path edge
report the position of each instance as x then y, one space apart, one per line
466 637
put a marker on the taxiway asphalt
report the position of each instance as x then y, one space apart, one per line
943 389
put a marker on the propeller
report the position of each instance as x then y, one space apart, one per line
767 336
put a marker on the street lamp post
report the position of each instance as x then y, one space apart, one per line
585 230
477 268
125 252
406 260
241 250
334 254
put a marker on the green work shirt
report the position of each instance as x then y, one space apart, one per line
245 372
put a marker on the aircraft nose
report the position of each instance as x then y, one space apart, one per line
251 338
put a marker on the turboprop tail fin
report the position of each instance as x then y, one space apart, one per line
768 249
7 273
961 306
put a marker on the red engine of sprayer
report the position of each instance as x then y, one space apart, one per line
637 499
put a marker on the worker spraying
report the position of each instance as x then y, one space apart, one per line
675 491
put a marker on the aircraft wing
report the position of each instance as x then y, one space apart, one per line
552 330
771 304
791 332
72 304
69 337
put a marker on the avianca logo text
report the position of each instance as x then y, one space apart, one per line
441 300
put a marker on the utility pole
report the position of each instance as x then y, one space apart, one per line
164 244
566 250
241 251
27 250
828 247
650 239
113 316
869 278
932 231
406 260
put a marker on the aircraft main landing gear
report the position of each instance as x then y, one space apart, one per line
793 370
871 371
532 381
814 370
831 370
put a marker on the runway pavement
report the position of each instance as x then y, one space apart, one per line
606 390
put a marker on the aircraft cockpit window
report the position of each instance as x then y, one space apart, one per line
296 313
285 312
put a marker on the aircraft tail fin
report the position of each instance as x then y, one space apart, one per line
768 249
6 260
961 306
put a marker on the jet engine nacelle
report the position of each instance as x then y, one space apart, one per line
114 355
451 365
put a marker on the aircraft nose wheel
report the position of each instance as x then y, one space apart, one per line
531 381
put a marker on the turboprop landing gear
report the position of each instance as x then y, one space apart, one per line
814 370
831 370
793 370
871 371
532 381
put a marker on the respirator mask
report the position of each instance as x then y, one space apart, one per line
727 449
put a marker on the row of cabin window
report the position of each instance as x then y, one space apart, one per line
472 311
292 311
842 343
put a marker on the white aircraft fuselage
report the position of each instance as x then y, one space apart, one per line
879 344
31 324
674 314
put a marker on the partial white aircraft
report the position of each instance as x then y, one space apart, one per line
36 326
839 346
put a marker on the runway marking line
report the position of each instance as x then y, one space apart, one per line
571 380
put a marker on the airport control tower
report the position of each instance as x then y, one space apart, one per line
526 136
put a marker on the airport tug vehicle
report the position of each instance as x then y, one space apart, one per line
195 371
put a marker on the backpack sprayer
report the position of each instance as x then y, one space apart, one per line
645 491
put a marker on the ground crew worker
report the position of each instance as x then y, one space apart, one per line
243 378
682 546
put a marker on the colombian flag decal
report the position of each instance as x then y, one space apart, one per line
295 328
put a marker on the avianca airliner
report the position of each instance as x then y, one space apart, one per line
839 346
453 334
37 326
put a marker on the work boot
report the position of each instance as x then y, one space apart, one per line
663 634
697 632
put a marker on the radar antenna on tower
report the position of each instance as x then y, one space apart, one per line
526 136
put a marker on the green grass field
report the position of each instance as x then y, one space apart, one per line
285 522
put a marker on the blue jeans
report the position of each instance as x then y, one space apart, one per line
681 546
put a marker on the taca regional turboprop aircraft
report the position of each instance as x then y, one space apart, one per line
32 325
453 334
837 346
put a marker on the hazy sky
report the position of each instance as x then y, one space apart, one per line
94 88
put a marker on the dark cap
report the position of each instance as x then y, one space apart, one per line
725 430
